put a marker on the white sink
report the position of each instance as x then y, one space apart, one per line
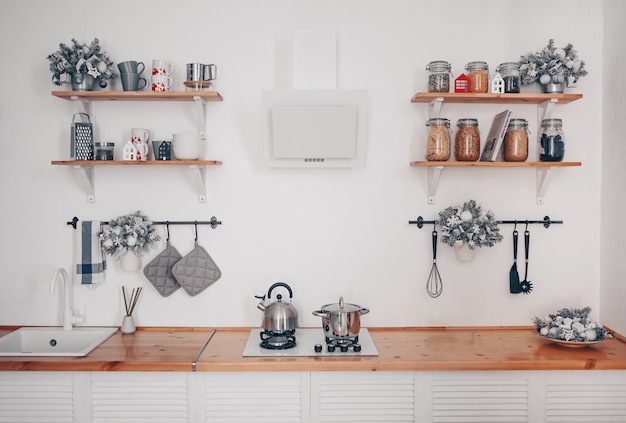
53 341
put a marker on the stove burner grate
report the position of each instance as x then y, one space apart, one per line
344 345
274 340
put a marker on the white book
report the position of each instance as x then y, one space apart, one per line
493 142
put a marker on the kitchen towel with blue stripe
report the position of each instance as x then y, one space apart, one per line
89 261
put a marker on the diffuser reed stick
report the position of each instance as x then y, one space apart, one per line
129 304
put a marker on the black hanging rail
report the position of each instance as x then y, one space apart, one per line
213 222
546 222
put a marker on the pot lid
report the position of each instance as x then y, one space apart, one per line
341 306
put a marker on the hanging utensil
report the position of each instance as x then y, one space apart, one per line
434 286
526 285
514 285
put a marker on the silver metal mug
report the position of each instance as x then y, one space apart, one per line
195 72
209 72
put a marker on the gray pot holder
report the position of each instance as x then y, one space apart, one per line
159 271
196 271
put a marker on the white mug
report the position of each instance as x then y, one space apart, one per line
161 83
187 145
162 67
140 138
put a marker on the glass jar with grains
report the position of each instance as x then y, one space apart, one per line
510 73
478 74
467 140
439 76
551 141
438 141
516 141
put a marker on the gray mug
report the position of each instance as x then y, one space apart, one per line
132 81
131 66
195 72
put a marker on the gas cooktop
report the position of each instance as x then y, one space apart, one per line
306 341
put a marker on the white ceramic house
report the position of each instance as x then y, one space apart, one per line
130 152
497 84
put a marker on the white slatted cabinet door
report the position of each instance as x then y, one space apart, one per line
36 397
139 397
480 397
257 397
589 396
381 397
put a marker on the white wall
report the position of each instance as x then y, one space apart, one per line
613 265
327 232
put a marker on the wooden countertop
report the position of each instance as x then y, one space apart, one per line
482 348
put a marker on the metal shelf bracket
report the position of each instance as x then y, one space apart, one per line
544 110
90 182
200 115
82 105
199 173
543 178
434 107
434 174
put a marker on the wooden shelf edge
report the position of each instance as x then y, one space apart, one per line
496 164
134 163
139 95
427 97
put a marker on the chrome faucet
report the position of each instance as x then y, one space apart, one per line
70 317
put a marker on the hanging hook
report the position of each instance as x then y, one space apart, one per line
195 223
526 230
515 227
167 227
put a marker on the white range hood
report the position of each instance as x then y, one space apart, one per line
314 124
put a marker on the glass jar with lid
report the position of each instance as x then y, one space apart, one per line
438 141
467 140
516 141
439 76
551 141
510 73
103 150
478 74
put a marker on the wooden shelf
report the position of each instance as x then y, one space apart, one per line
545 104
139 95
490 98
135 163
496 164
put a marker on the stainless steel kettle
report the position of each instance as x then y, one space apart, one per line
278 316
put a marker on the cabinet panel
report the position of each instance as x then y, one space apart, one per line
588 397
265 397
45 397
363 397
139 397
466 397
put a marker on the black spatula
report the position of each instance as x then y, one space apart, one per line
514 285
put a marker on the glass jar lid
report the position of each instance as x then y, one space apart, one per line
508 67
518 123
438 122
477 65
551 122
467 122
439 66
104 144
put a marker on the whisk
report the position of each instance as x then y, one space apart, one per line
434 286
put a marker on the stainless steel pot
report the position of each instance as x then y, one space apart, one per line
340 320
278 316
